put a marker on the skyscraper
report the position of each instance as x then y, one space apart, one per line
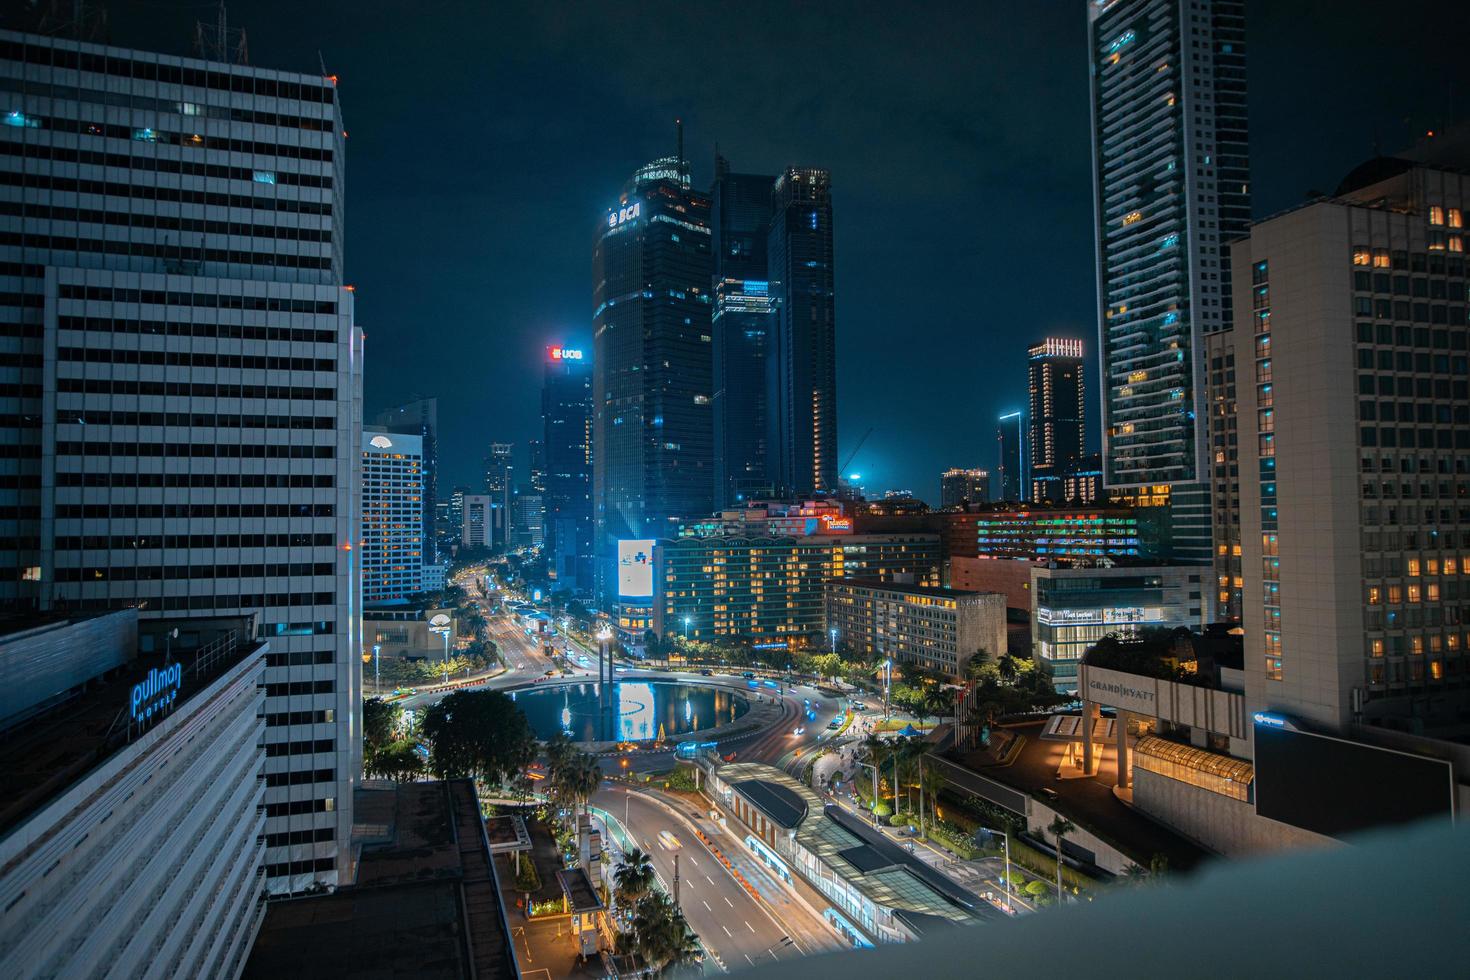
741 327
1010 439
185 384
1058 403
500 487
421 418
392 516
566 416
653 446
958 487
536 461
1171 186
801 364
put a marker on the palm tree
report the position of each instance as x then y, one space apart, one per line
633 878
582 778
975 667
1059 828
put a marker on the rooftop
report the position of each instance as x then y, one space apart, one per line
52 751
887 586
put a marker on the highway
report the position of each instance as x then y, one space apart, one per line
738 929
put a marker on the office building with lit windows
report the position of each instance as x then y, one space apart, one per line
186 384
652 426
421 418
1010 443
770 590
566 419
1171 187
961 487
937 629
1354 416
392 516
801 366
740 219
1058 406
1224 475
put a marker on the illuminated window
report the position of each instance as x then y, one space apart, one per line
1452 642
1414 593
1375 595
1457 244
1450 566
1436 670
1436 214
1273 668
1431 592
1376 648
1380 258
1435 642
1361 255
1413 568
1431 566
1416 645
1456 219
1395 595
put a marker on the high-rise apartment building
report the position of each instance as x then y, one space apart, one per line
421 418
801 365
959 487
183 382
566 417
1171 186
392 516
1055 385
1010 444
653 432
1224 475
1354 417
740 220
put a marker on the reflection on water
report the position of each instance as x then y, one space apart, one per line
635 711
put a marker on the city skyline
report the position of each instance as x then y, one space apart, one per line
1034 183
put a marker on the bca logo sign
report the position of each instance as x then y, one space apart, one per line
629 213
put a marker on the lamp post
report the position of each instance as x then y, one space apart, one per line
686 628
603 636
377 685
1006 843
446 656
874 809
887 680
833 633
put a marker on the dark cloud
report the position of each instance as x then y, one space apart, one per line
487 139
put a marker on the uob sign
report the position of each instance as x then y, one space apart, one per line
156 693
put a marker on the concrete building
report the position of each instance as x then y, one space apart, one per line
1074 607
770 589
479 520
1057 390
133 833
1171 185
1224 476
392 516
566 417
421 418
938 629
187 434
959 487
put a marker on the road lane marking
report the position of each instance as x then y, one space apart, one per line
709 879
727 930
749 926
706 906
749 960
728 902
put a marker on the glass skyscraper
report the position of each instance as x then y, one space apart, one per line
801 364
1171 186
653 446
741 219
566 416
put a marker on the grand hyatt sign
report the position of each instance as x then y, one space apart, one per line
1119 690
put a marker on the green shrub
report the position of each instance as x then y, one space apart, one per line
882 809
527 880
681 780
1036 889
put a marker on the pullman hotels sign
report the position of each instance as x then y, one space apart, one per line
156 693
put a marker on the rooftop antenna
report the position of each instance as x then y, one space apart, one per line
73 18
221 42
679 128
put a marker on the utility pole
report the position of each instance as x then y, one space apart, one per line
676 880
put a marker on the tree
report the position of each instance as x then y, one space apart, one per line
477 733
400 762
661 935
1059 828
379 721
938 701
633 878
979 666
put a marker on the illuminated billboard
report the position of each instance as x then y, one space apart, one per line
635 569
564 354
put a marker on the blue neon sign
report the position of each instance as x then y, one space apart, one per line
156 693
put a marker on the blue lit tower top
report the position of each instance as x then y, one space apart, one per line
1170 189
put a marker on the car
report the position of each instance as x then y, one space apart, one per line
669 841
1048 794
859 706
551 673
707 673
731 756
799 730
748 675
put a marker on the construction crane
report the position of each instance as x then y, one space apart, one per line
841 474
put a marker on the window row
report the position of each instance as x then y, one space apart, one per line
160 222
74 93
142 542
230 481
186 389
137 162
1400 261
101 416
258 362
198 450
152 192
1400 309
165 251
180 511
21 119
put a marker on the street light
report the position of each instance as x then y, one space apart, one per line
377 685
887 679
686 627
875 790
1006 843
833 631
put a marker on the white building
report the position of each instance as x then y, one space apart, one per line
186 378
392 516
132 829
938 629
479 516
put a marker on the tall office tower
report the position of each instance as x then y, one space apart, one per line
566 417
392 549
1355 436
421 418
1010 439
1224 475
477 527
958 487
1056 388
653 432
500 487
536 461
740 217
801 364
183 384
1171 186
456 513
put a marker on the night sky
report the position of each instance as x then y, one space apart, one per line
488 139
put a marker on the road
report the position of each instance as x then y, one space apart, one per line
737 928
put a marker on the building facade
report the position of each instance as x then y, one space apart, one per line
1171 186
1074 607
770 589
187 436
744 306
392 516
1068 535
937 629
500 487
1224 476
481 522
653 431
421 418
1058 405
1355 432
566 416
961 487
801 367
1010 447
